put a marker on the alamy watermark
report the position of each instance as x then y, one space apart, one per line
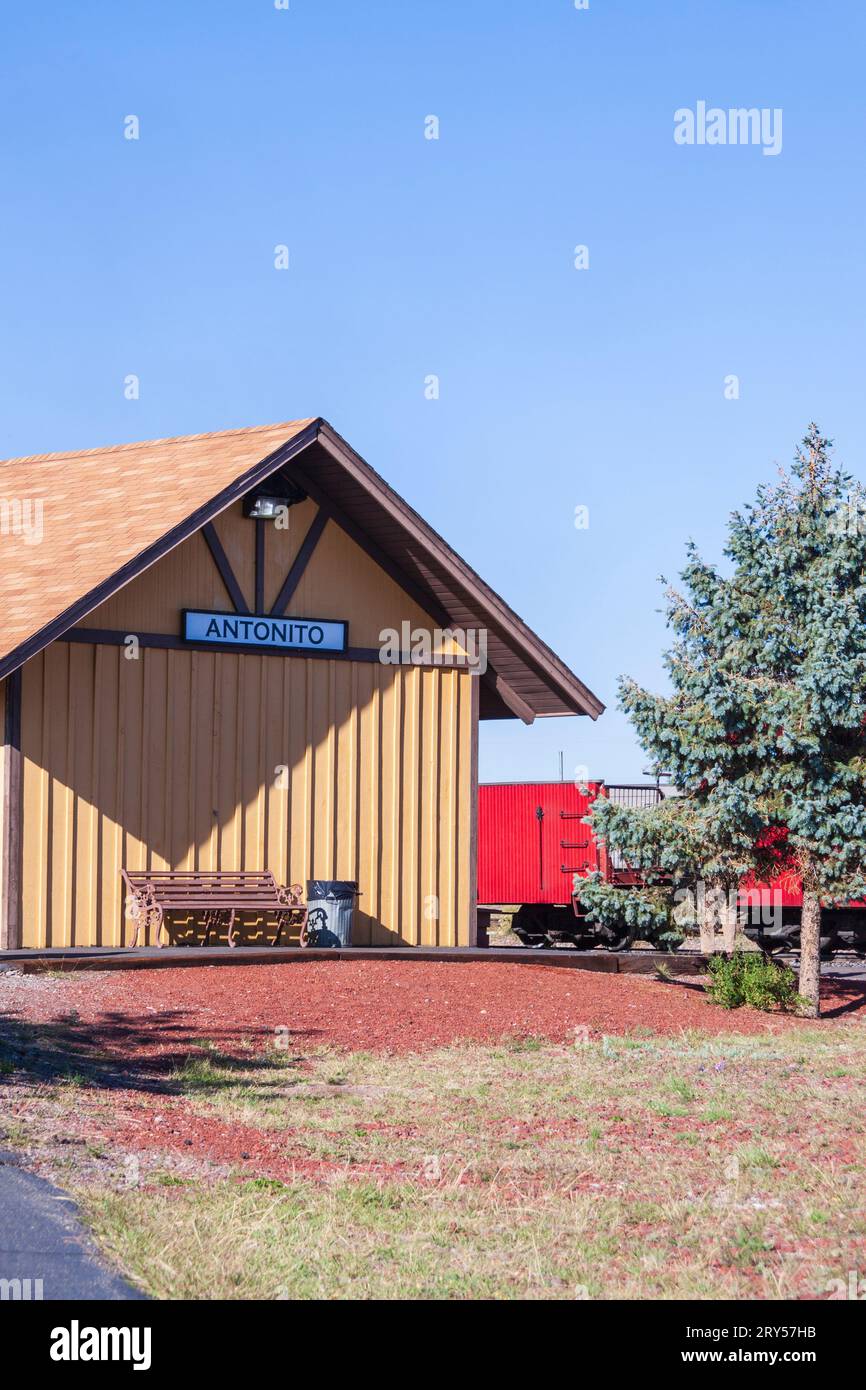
705 902
849 517
23 517
463 648
740 125
851 1288
23 1290
77 1343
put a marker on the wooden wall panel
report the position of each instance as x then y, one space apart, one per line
35 893
311 768
11 787
182 758
4 826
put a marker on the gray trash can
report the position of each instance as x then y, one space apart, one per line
330 911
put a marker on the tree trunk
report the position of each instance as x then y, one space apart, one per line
716 914
810 952
708 934
729 923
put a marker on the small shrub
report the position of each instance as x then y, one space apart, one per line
747 977
670 940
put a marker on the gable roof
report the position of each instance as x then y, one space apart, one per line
108 514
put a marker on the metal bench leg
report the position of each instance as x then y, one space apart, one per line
159 919
139 917
232 941
282 921
136 909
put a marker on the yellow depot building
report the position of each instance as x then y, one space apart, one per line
244 651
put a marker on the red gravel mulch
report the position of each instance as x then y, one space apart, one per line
168 1125
154 1016
134 1027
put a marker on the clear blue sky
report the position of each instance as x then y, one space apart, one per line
408 257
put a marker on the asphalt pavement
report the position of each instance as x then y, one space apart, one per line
43 1241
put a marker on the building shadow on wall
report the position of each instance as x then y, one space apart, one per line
110 826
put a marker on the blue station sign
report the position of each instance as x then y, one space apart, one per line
264 630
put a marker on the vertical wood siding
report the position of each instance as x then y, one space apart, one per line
189 759
5 809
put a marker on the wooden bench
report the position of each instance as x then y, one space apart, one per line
219 896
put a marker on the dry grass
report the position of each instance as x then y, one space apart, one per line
632 1168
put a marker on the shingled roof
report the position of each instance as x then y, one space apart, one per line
108 514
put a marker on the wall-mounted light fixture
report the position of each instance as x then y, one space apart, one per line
262 508
266 503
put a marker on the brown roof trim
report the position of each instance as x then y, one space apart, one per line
536 652
197 519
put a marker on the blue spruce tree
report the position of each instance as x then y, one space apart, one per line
764 733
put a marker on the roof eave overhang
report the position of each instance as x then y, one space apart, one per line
578 697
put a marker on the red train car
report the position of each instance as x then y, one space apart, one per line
771 912
531 843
